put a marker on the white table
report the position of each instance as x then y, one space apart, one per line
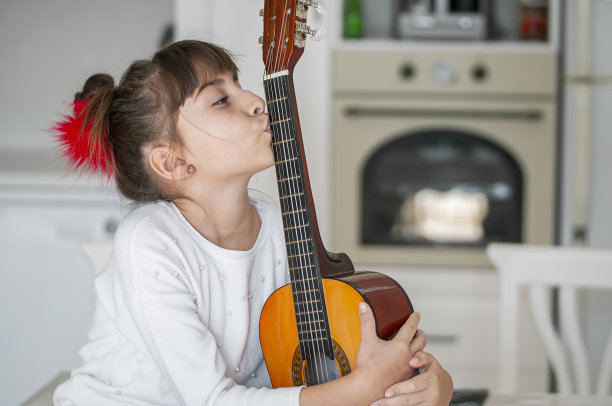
546 399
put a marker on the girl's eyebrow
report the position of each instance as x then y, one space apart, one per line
214 82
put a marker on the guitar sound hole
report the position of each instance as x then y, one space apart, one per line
320 369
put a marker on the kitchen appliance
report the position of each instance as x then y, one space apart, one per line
441 152
442 19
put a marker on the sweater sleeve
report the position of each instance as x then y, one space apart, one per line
160 303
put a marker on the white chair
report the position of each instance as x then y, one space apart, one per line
541 268
98 253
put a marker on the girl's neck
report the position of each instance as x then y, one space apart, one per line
225 218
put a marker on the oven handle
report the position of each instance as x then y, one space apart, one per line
525 115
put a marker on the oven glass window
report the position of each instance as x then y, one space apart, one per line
441 187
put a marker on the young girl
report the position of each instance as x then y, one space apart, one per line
178 305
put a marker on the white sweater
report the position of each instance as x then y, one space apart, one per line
177 318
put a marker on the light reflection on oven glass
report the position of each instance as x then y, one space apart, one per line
442 216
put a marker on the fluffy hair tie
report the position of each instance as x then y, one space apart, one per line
86 150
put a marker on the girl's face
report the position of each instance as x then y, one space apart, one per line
225 131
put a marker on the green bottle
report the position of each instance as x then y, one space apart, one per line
353 19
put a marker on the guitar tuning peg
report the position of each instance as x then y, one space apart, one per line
261 39
319 34
321 6
261 12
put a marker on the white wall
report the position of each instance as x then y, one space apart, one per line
48 49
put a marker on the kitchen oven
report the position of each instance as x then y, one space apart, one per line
438 152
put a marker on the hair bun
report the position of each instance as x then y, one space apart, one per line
95 85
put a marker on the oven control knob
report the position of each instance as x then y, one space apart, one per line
407 71
480 73
444 72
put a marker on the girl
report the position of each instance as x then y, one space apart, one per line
177 311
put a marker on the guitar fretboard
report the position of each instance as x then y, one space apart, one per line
306 283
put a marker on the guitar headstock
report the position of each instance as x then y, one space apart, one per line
285 33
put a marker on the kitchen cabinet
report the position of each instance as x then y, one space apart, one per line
47 288
459 314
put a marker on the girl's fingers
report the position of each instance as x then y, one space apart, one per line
421 359
413 385
419 341
368 325
413 399
408 330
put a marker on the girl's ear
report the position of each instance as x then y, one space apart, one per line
166 165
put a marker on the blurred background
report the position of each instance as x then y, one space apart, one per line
431 127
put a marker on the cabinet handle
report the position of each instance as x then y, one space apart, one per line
442 338
526 115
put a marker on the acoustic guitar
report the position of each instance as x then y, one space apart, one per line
310 329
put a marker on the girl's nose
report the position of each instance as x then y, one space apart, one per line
258 105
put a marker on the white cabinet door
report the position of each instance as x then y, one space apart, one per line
459 314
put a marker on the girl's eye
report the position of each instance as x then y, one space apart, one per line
222 100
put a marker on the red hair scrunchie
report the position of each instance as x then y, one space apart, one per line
84 150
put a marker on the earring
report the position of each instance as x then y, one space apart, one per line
191 169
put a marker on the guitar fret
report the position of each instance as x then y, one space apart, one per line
286 160
288 179
299 255
283 141
280 121
298 241
301 267
310 312
294 227
308 301
290 196
307 279
311 331
306 291
314 339
277 100
311 321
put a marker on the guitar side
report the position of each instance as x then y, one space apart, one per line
279 336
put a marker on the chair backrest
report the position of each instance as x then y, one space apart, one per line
98 253
540 269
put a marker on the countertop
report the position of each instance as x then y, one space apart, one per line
39 174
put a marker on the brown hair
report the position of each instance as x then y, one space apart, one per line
141 111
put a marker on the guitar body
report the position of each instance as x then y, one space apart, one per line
279 334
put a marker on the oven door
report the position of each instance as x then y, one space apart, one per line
432 182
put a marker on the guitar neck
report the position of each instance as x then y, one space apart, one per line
299 220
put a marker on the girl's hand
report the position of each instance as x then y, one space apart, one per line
382 363
432 387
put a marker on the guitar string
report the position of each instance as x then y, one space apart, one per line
274 90
305 260
298 237
299 234
288 191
